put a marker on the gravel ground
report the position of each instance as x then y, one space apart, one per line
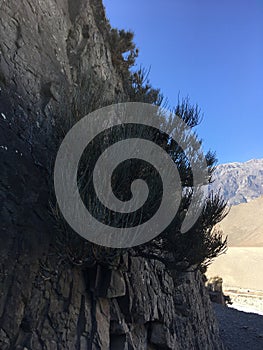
240 330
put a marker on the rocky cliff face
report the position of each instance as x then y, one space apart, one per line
239 182
54 58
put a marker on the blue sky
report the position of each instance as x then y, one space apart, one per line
211 51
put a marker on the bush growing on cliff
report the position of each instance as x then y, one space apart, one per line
123 50
176 250
195 248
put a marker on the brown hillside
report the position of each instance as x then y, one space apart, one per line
244 224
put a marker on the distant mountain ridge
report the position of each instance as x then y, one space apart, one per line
239 182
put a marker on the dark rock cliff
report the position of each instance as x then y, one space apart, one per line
54 55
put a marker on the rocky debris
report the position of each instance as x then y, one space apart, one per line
55 59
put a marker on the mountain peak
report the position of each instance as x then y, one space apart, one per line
239 182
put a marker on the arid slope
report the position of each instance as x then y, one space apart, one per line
244 224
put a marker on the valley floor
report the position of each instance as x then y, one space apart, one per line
239 330
240 267
247 300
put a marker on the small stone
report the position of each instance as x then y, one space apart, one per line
244 327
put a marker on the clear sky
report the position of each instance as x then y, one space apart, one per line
211 51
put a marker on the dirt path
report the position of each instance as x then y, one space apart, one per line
240 330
